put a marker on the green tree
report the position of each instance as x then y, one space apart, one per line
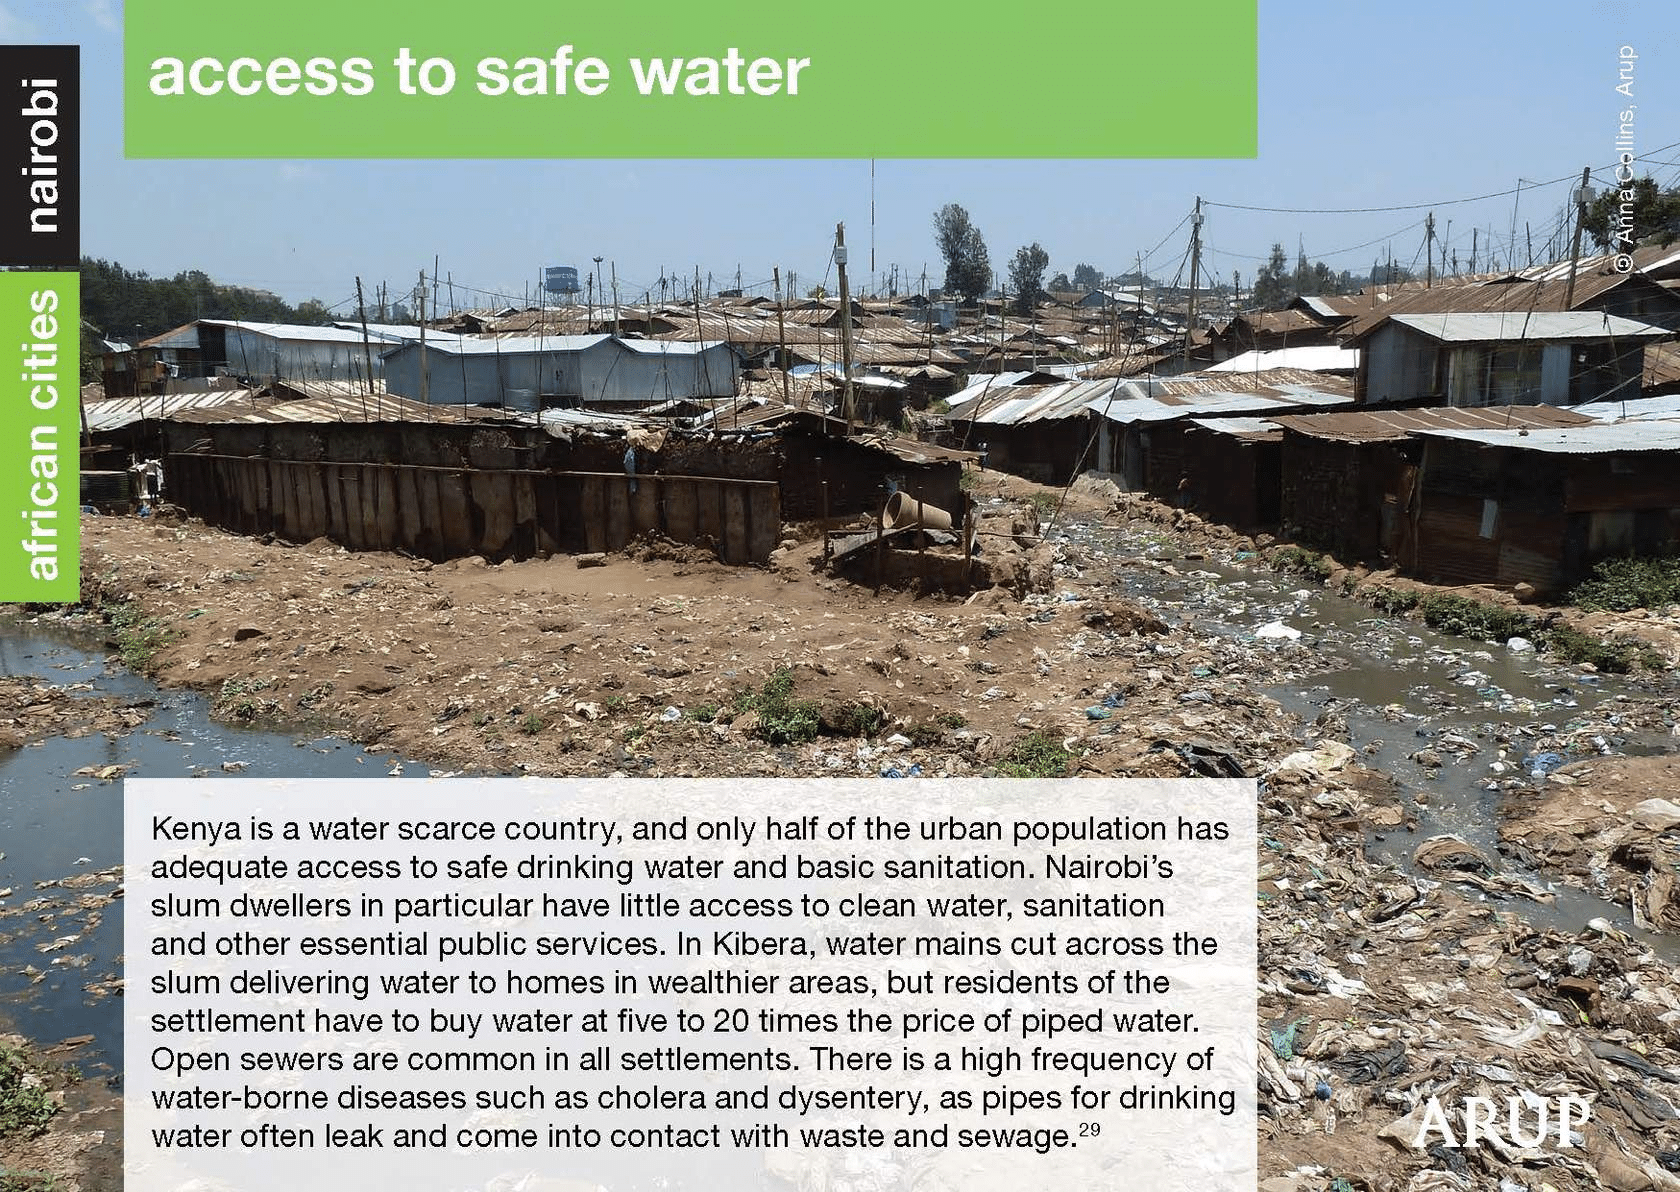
968 266
1060 284
1086 277
1026 275
1273 284
1624 217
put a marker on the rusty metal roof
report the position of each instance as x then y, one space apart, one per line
113 413
1374 426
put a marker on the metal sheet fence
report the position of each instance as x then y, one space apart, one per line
444 513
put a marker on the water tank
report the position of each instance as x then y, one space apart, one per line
561 279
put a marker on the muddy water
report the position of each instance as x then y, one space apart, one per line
55 824
1400 688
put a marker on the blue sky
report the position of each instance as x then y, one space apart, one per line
1361 105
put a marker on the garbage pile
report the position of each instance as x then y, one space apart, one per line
1387 1001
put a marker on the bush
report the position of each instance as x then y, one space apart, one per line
859 720
1471 618
1303 562
1572 645
782 720
1038 754
1618 585
138 637
1393 601
25 1107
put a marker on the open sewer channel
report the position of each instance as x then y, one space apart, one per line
60 944
1487 714
63 828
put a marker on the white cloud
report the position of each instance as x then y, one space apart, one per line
105 15
14 27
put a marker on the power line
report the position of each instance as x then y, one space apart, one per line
1498 194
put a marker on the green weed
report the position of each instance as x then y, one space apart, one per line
1038 754
25 1108
1619 585
1471 618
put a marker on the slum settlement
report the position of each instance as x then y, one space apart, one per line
1502 429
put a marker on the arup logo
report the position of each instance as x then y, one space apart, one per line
1529 1118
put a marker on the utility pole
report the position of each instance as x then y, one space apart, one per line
1473 232
1583 195
420 296
1429 251
1195 268
781 337
615 296
367 347
699 336
848 398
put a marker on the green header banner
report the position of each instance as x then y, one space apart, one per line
40 465
662 79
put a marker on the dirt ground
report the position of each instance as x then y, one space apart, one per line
1378 989
546 667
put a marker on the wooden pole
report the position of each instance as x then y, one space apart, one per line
1575 247
782 359
850 399
425 387
367 345
1195 269
822 488
880 544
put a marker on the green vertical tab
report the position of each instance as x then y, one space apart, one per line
40 433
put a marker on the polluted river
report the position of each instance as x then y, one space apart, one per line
1451 720
1447 718
61 831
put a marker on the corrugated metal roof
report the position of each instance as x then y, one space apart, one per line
1166 407
667 347
1595 438
1509 325
394 332
1152 399
1371 426
290 331
360 407
1318 358
1542 288
533 346
113 413
1642 409
1262 430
